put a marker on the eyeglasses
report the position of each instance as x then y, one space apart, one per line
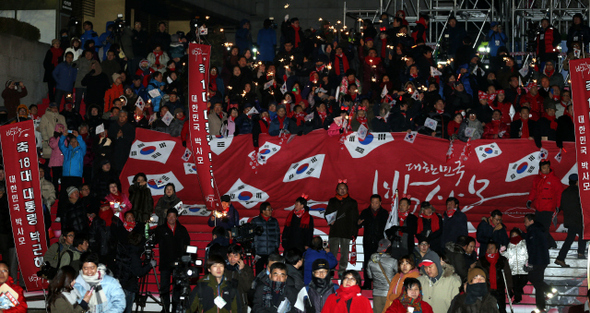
349 279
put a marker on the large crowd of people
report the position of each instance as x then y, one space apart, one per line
383 78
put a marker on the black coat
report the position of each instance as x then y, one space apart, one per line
488 304
501 264
536 244
515 127
434 237
270 239
571 207
295 236
566 130
543 129
137 268
374 227
96 87
456 257
172 244
408 230
122 145
486 232
75 217
453 227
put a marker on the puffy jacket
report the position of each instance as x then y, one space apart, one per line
274 128
441 292
517 256
486 232
456 257
488 304
154 84
47 126
172 244
57 157
310 256
73 157
113 93
65 76
546 192
270 239
380 283
89 34
317 297
22 306
112 289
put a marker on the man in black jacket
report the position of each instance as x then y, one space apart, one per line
244 275
538 250
270 295
172 238
373 219
491 229
122 133
402 236
270 239
572 219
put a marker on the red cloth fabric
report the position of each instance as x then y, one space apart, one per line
515 240
434 225
157 55
55 55
213 82
106 216
536 103
525 129
336 303
553 121
493 259
453 127
546 192
504 107
345 65
495 128
22 306
281 121
297 38
398 307
451 214
304 223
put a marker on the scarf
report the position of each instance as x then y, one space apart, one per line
157 55
452 213
213 82
98 296
515 240
281 120
383 47
362 120
341 58
339 197
553 122
407 301
299 118
129 226
373 61
493 259
72 296
475 291
346 293
323 115
549 73
319 69
297 39
433 223
303 216
273 294
524 131
55 55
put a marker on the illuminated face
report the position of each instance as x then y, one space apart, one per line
278 275
477 280
349 281
431 270
233 258
470 247
491 249
217 270
85 191
70 238
321 273
375 204
298 206
496 220
4 273
89 269
114 189
404 206
342 189
439 105
267 212
423 247
545 169
171 218
169 191
414 291
405 267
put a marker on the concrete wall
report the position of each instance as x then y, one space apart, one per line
22 60
104 11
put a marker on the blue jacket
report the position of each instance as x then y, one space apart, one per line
89 34
228 222
270 239
310 256
154 84
65 76
104 40
267 40
112 289
243 37
244 124
275 126
73 157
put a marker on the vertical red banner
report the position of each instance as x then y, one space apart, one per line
23 191
580 77
200 139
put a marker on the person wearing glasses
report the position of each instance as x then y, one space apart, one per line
348 297
56 251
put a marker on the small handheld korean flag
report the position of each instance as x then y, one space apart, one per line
140 103
384 92
99 129
309 117
167 118
154 93
488 151
411 136
187 155
362 132
430 123
252 111
543 154
268 84
469 131
559 156
284 88
392 220
158 151
527 166
190 168
434 71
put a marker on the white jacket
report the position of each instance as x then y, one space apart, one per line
517 256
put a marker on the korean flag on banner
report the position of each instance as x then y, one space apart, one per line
190 168
157 190
310 167
267 150
527 166
248 196
485 152
152 150
358 148
220 143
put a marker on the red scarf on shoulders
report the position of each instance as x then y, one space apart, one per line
493 259
56 53
433 223
525 129
345 65
303 215
297 39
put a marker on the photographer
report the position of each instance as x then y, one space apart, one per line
219 244
172 238
270 295
12 96
215 292
270 239
237 269
134 269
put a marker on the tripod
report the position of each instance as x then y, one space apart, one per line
141 299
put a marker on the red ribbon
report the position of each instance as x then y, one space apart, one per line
304 196
343 181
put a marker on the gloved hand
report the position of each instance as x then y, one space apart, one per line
153 263
286 17
528 204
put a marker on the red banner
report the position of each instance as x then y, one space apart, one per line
198 77
497 174
23 191
580 76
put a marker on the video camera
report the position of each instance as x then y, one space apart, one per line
118 24
246 232
185 270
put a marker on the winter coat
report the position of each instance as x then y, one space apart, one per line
396 286
57 157
65 76
61 304
122 145
55 251
546 192
453 227
73 157
473 124
317 297
433 236
228 222
440 293
486 232
47 126
47 192
374 227
141 201
517 256
398 307
136 267
12 100
244 277
176 127
274 128
83 66
113 93
536 244
295 278
75 217
406 232
22 306
310 256
97 84
456 257
295 236
154 84
289 294
381 278
112 289
571 207
89 35
270 239
565 130
215 122
345 226
501 264
266 40
243 36
164 203
207 290
358 303
488 304
172 244
164 58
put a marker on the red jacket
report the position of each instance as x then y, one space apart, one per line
536 103
546 192
398 307
336 303
115 92
22 306
495 128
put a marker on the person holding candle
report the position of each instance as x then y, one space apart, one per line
411 299
118 201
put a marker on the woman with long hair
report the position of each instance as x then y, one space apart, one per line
62 295
412 297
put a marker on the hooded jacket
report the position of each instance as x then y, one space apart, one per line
439 291
47 126
97 83
73 157
115 92
112 289
57 157
546 192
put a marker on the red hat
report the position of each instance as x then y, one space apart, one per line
426 262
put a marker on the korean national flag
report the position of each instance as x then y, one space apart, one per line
152 150
310 167
316 208
220 143
267 150
527 166
157 190
358 148
190 168
485 152
248 196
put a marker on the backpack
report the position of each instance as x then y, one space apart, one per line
47 271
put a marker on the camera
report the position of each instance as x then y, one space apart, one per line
273 24
148 247
246 232
185 269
